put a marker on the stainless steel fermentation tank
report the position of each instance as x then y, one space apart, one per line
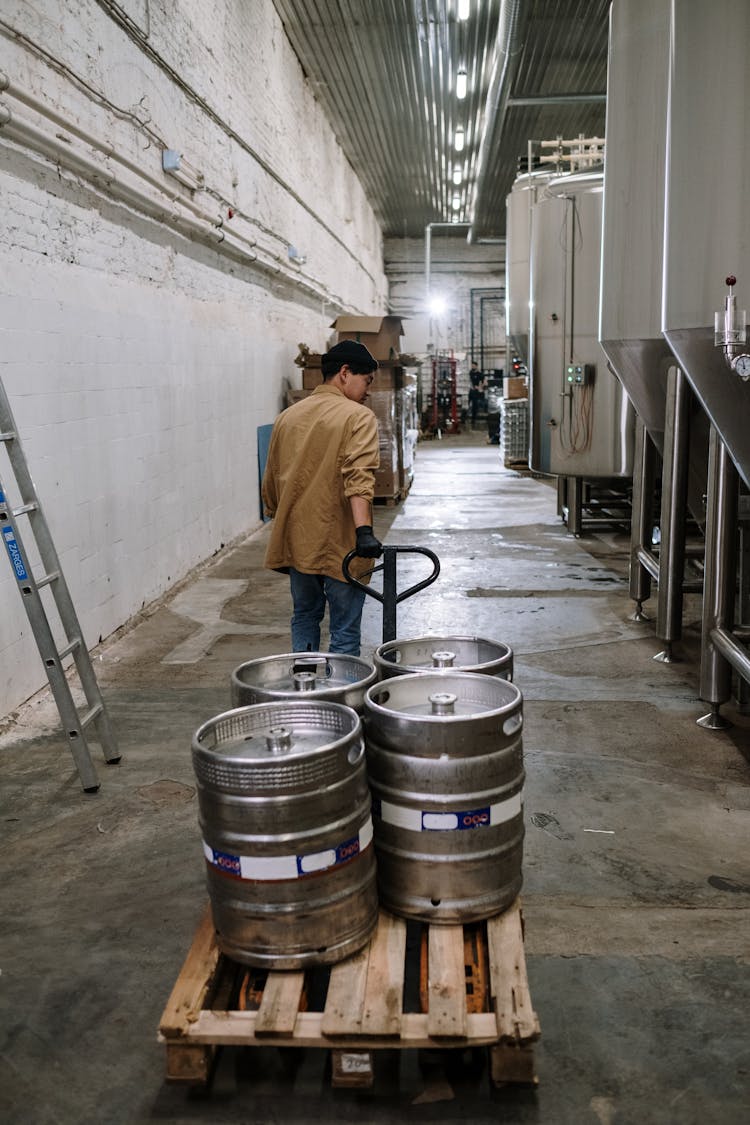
314 676
287 832
519 204
630 328
707 238
582 422
707 192
445 763
459 654
633 224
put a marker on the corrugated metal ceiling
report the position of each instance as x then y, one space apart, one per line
385 73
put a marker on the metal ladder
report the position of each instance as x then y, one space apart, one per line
29 586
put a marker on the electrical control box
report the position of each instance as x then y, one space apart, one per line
580 374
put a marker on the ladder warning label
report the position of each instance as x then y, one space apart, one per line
15 554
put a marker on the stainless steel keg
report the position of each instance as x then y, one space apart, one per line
427 654
445 764
314 675
287 832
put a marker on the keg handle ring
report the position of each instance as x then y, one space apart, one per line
390 597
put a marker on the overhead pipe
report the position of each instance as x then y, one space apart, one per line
428 252
501 82
554 99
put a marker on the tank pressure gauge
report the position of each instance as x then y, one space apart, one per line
741 366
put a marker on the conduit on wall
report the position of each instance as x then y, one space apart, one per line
124 180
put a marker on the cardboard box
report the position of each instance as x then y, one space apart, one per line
388 377
294 395
515 388
379 334
312 377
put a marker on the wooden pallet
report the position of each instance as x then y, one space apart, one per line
472 990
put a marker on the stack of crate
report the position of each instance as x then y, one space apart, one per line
392 397
514 430
388 398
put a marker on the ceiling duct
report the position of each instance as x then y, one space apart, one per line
501 83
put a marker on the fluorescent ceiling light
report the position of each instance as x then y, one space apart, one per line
464 7
459 140
457 175
461 84
456 202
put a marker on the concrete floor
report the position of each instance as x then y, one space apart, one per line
637 877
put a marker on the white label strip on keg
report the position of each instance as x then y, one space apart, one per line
271 868
418 820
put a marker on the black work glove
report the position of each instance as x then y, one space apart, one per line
368 547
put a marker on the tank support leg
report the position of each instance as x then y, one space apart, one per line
674 487
642 525
719 578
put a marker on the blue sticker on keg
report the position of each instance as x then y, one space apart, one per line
15 554
347 850
226 862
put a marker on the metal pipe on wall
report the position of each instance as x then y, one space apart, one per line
428 251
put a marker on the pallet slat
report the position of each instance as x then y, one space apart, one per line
384 991
237 1029
516 1019
447 1014
345 1001
195 980
280 1004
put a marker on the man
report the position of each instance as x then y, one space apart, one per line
318 488
476 393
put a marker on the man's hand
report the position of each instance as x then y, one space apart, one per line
368 547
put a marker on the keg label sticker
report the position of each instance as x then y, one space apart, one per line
423 820
15 554
456 821
280 867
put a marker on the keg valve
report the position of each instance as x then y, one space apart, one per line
278 739
443 703
730 333
305 681
443 659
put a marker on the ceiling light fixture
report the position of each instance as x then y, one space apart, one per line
464 6
459 140
456 202
461 85
457 176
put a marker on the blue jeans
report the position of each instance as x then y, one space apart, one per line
310 592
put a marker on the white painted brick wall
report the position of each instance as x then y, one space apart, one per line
139 362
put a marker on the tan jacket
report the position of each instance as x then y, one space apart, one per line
323 450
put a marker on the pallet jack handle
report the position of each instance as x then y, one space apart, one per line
390 596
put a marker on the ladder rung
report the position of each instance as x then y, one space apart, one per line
69 648
32 507
91 715
9 436
47 578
